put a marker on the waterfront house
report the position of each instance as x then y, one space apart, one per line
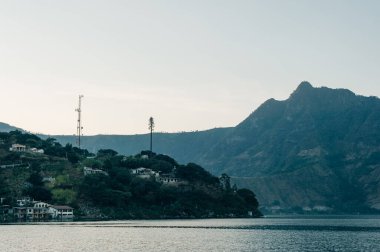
40 204
61 212
28 209
37 213
19 213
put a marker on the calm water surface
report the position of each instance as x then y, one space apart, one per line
350 233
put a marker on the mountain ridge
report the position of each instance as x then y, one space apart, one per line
320 135
319 147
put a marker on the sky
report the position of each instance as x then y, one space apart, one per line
191 65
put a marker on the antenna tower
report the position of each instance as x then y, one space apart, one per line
79 126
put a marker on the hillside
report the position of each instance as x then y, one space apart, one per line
108 185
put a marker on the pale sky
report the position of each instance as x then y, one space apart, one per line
192 65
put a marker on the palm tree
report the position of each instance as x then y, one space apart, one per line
151 128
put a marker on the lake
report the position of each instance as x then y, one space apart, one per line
321 233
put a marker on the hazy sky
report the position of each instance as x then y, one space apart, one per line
192 65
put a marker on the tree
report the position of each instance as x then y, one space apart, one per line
249 197
195 173
151 128
106 153
35 179
4 188
225 182
39 193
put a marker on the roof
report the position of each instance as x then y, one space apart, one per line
18 145
62 207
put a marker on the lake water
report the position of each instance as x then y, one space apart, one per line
350 233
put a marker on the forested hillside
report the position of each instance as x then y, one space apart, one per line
108 185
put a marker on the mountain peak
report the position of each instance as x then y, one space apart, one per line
304 85
302 89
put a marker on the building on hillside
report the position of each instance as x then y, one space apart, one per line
61 212
24 201
23 148
170 180
167 179
38 151
91 171
144 173
49 179
18 148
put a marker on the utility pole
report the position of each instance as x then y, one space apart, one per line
79 125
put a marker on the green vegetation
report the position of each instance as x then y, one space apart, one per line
146 185
123 195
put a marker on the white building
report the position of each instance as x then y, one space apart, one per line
35 213
144 173
90 171
37 210
49 179
170 180
18 147
40 204
23 201
38 151
61 212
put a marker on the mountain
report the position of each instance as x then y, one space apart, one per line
4 127
319 149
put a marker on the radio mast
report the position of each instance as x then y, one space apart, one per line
79 126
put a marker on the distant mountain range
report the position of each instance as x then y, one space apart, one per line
4 127
319 149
